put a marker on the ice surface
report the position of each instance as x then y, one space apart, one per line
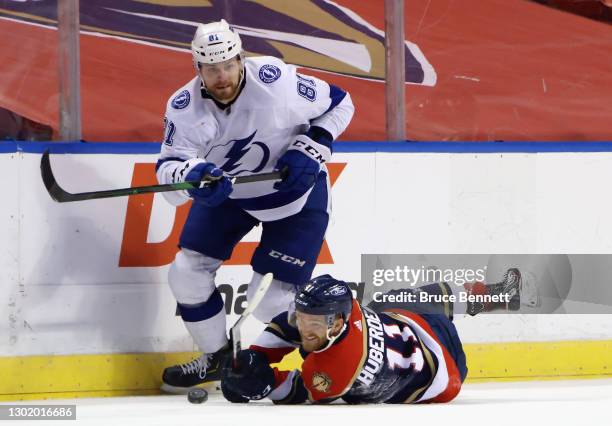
549 403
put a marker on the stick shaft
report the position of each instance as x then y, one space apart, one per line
62 196
255 300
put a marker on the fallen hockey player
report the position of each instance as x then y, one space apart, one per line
391 353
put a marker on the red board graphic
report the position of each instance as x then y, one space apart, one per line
501 70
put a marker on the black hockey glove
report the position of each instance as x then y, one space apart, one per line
230 395
251 378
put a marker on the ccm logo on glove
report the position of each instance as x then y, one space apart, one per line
310 150
302 160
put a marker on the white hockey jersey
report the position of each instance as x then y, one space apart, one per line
248 136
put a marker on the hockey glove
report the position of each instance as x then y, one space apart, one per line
230 395
211 194
303 161
250 378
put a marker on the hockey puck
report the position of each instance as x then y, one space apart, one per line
197 396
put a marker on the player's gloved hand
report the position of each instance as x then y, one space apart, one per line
250 377
302 161
232 396
211 194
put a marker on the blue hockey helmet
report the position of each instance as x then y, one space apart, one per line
325 295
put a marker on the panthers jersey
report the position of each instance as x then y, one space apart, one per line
392 357
248 136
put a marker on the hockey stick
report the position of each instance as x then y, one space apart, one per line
62 196
255 300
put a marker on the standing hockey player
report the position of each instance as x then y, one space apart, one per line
241 116
356 353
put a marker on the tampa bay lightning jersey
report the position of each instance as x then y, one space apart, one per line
276 103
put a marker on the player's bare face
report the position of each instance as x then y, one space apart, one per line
222 79
313 331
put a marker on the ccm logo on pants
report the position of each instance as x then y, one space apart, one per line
285 258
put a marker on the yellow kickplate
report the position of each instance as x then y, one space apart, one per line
524 360
81 376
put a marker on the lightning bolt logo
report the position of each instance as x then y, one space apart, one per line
237 152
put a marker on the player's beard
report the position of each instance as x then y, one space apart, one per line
311 343
224 94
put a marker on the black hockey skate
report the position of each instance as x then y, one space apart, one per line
510 286
181 378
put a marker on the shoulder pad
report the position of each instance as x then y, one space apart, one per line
269 73
182 100
268 68
183 97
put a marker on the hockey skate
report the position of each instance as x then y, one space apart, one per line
520 290
181 378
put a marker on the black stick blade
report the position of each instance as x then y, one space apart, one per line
54 190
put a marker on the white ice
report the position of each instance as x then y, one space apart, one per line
549 403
